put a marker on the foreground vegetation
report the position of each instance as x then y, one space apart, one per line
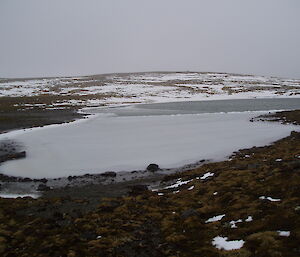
257 189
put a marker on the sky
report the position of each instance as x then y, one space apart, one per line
81 37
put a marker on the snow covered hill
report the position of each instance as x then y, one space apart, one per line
115 89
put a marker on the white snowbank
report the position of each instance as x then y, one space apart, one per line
106 142
222 243
4 195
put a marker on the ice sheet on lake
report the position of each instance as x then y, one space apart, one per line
109 143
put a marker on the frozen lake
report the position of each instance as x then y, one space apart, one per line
125 139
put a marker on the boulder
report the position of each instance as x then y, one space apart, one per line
153 167
44 180
43 187
12 156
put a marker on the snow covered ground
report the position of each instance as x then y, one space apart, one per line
112 143
223 243
117 89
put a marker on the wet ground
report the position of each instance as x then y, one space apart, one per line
21 119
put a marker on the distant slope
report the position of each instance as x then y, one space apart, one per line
112 89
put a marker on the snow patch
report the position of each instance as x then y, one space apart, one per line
284 233
207 175
222 243
234 222
178 183
249 219
269 199
215 218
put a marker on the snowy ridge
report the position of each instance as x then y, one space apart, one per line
150 87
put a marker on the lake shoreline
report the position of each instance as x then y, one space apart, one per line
255 191
108 183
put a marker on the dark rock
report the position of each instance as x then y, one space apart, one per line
189 213
26 180
44 180
295 134
70 178
153 167
109 174
138 189
5 178
12 156
43 187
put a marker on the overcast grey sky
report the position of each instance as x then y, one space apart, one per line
73 37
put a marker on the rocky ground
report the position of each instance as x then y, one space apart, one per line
253 197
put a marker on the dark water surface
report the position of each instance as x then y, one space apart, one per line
216 106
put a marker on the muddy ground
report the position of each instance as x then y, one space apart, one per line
13 117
